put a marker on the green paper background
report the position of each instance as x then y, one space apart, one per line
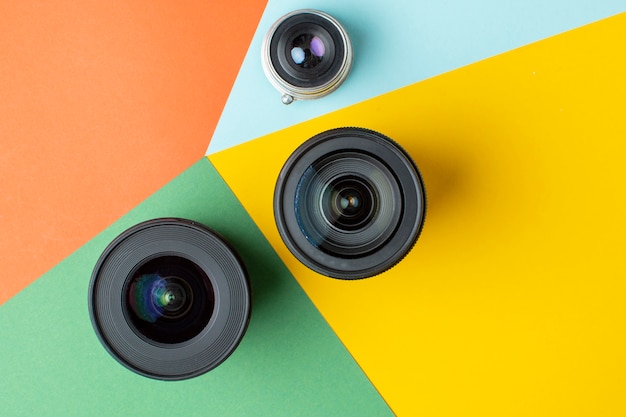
289 362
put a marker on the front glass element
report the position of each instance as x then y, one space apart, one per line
169 299
154 296
307 50
347 205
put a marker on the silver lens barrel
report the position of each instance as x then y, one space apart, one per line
306 54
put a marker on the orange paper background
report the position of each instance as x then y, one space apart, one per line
102 103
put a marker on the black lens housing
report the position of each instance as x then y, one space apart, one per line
349 203
169 299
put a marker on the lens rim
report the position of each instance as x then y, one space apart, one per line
287 78
203 247
412 207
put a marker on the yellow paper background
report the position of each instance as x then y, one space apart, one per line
513 300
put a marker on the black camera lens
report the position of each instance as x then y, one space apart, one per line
169 299
349 203
306 54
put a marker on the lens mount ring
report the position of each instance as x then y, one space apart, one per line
285 77
350 248
212 326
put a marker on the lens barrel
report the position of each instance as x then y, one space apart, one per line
306 54
349 203
169 299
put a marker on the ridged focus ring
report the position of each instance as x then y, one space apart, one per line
349 203
169 299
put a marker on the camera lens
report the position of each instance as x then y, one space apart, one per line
306 54
169 299
349 203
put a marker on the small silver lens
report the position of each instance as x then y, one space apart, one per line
306 54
